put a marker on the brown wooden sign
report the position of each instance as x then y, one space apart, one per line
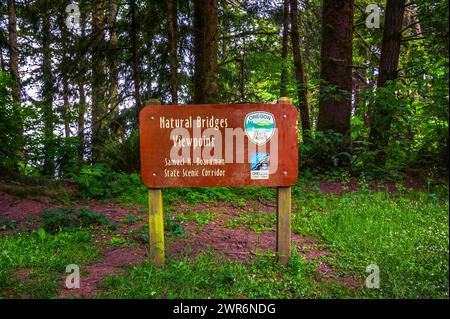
218 145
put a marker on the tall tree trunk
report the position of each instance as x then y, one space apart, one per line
47 97
81 113
284 48
13 51
64 75
14 71
172 36
98 73
389 59
82 106
66 109
335 68
302 87
205 51
134 38
112 59
2 61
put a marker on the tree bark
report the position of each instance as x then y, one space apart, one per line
47 97
335 68
302 86
112 59
284 48
81 113
13 51
98 73
389 59
172 37
82 106
134 38
205 51
15 77
64 75
2 61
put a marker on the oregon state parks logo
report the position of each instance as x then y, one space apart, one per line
259 127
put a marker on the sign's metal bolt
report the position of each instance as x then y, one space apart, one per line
284 173
284 116
152 117
154 174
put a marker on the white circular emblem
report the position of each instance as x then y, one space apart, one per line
259 127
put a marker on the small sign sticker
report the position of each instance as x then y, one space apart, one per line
259 127
259 166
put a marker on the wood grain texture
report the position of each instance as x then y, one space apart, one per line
156 227
284 224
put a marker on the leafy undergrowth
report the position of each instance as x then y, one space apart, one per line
32 264
256 221
403 231
69 219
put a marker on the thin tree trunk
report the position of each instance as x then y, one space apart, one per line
335 66
82 101
112 59
302 86
284 49
2 61
389 59
66 109
172 35
13 51
14 71
134 34
98 73
47 94
205 51
81 113
64 76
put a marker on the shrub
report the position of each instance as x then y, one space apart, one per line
68 219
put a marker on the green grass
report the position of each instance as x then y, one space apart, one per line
201 218
405 235
45 256
255 221
209 276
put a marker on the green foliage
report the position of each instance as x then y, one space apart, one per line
208 276
69 219
201 218
175 228
406 236
6 223
255 221
44 258
98 181
118 242
327 150
122 155
10 137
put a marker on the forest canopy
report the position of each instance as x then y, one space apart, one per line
369 78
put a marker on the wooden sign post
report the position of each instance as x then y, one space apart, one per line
219 145
284 215
156 221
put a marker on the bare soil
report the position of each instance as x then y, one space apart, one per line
238 244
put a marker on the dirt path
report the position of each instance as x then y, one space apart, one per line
237 243
113 262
